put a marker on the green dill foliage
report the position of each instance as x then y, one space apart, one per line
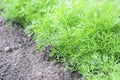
25 12
85 34
1 7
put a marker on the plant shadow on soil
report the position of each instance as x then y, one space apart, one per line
19 59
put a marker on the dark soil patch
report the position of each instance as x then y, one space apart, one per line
20 61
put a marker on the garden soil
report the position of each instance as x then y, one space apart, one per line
19 59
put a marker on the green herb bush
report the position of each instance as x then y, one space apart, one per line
84 34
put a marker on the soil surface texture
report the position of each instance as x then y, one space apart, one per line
19 59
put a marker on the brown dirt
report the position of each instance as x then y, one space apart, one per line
20 61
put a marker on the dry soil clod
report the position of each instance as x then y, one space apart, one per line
8 49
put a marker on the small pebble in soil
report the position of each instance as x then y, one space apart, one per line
8 49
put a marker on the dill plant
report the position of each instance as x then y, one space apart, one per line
85 34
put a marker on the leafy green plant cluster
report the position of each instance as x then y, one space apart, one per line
85 34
